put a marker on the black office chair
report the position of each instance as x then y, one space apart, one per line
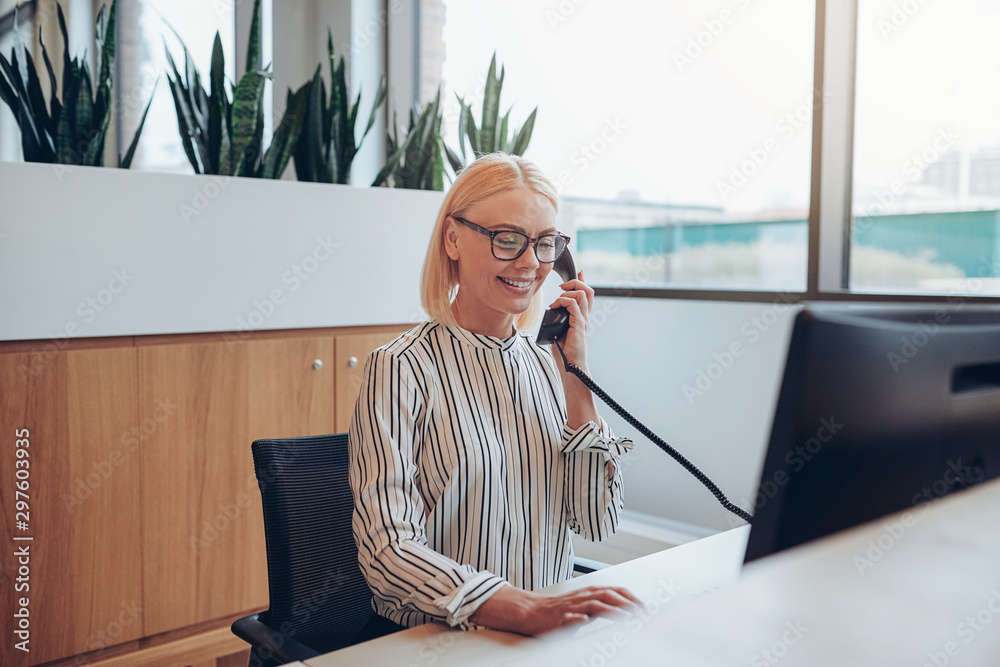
319 600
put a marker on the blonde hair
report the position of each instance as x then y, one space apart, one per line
487 175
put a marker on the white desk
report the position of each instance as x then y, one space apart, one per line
887 593
917 588
663 577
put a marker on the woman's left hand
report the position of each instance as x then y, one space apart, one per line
578 299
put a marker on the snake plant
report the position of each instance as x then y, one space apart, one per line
222 131
327 146
416 162
492 135
73 128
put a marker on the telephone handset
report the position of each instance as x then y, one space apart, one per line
555 324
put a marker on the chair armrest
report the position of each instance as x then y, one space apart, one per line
586 565
269 641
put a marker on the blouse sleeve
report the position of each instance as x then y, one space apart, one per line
593 497
389 514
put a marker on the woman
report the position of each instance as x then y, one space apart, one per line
472 452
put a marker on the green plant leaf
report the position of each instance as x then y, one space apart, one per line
36 100
461 126
126 162
105 58
197 103
7 88
94 157
308 155
472 133
30 145
65 40
12 70
491 108
455 161
246 110
217 103
225 166
84 105
379 99
54 103
7 93
20 64
253 41
392 163
184 126
523 135
286 137
342 147
72 81
254 153
501 138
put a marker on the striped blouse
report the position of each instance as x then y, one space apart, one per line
465 477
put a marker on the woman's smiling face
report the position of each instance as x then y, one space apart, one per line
492 292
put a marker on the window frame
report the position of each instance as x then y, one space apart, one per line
831 218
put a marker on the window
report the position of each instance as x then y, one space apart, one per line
10 136
926 186
679 134
682 138
142 39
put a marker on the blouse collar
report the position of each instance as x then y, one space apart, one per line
484 342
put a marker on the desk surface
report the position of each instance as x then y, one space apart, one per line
916 588
657 579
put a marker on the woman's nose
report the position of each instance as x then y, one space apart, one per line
527 258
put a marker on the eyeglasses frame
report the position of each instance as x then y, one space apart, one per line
533 242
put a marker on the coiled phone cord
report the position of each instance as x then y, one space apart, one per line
677 456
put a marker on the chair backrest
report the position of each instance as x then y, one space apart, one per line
318 595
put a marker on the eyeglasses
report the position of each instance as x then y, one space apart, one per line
508 245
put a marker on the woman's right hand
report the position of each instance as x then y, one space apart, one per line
527 613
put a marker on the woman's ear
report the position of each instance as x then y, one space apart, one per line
451 238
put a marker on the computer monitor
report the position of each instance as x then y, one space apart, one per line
881 408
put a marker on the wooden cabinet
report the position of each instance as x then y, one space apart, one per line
352 351
145 512
203 533
82 574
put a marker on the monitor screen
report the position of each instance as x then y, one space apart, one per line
881 408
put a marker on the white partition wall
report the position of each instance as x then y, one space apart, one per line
90 252
672 364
